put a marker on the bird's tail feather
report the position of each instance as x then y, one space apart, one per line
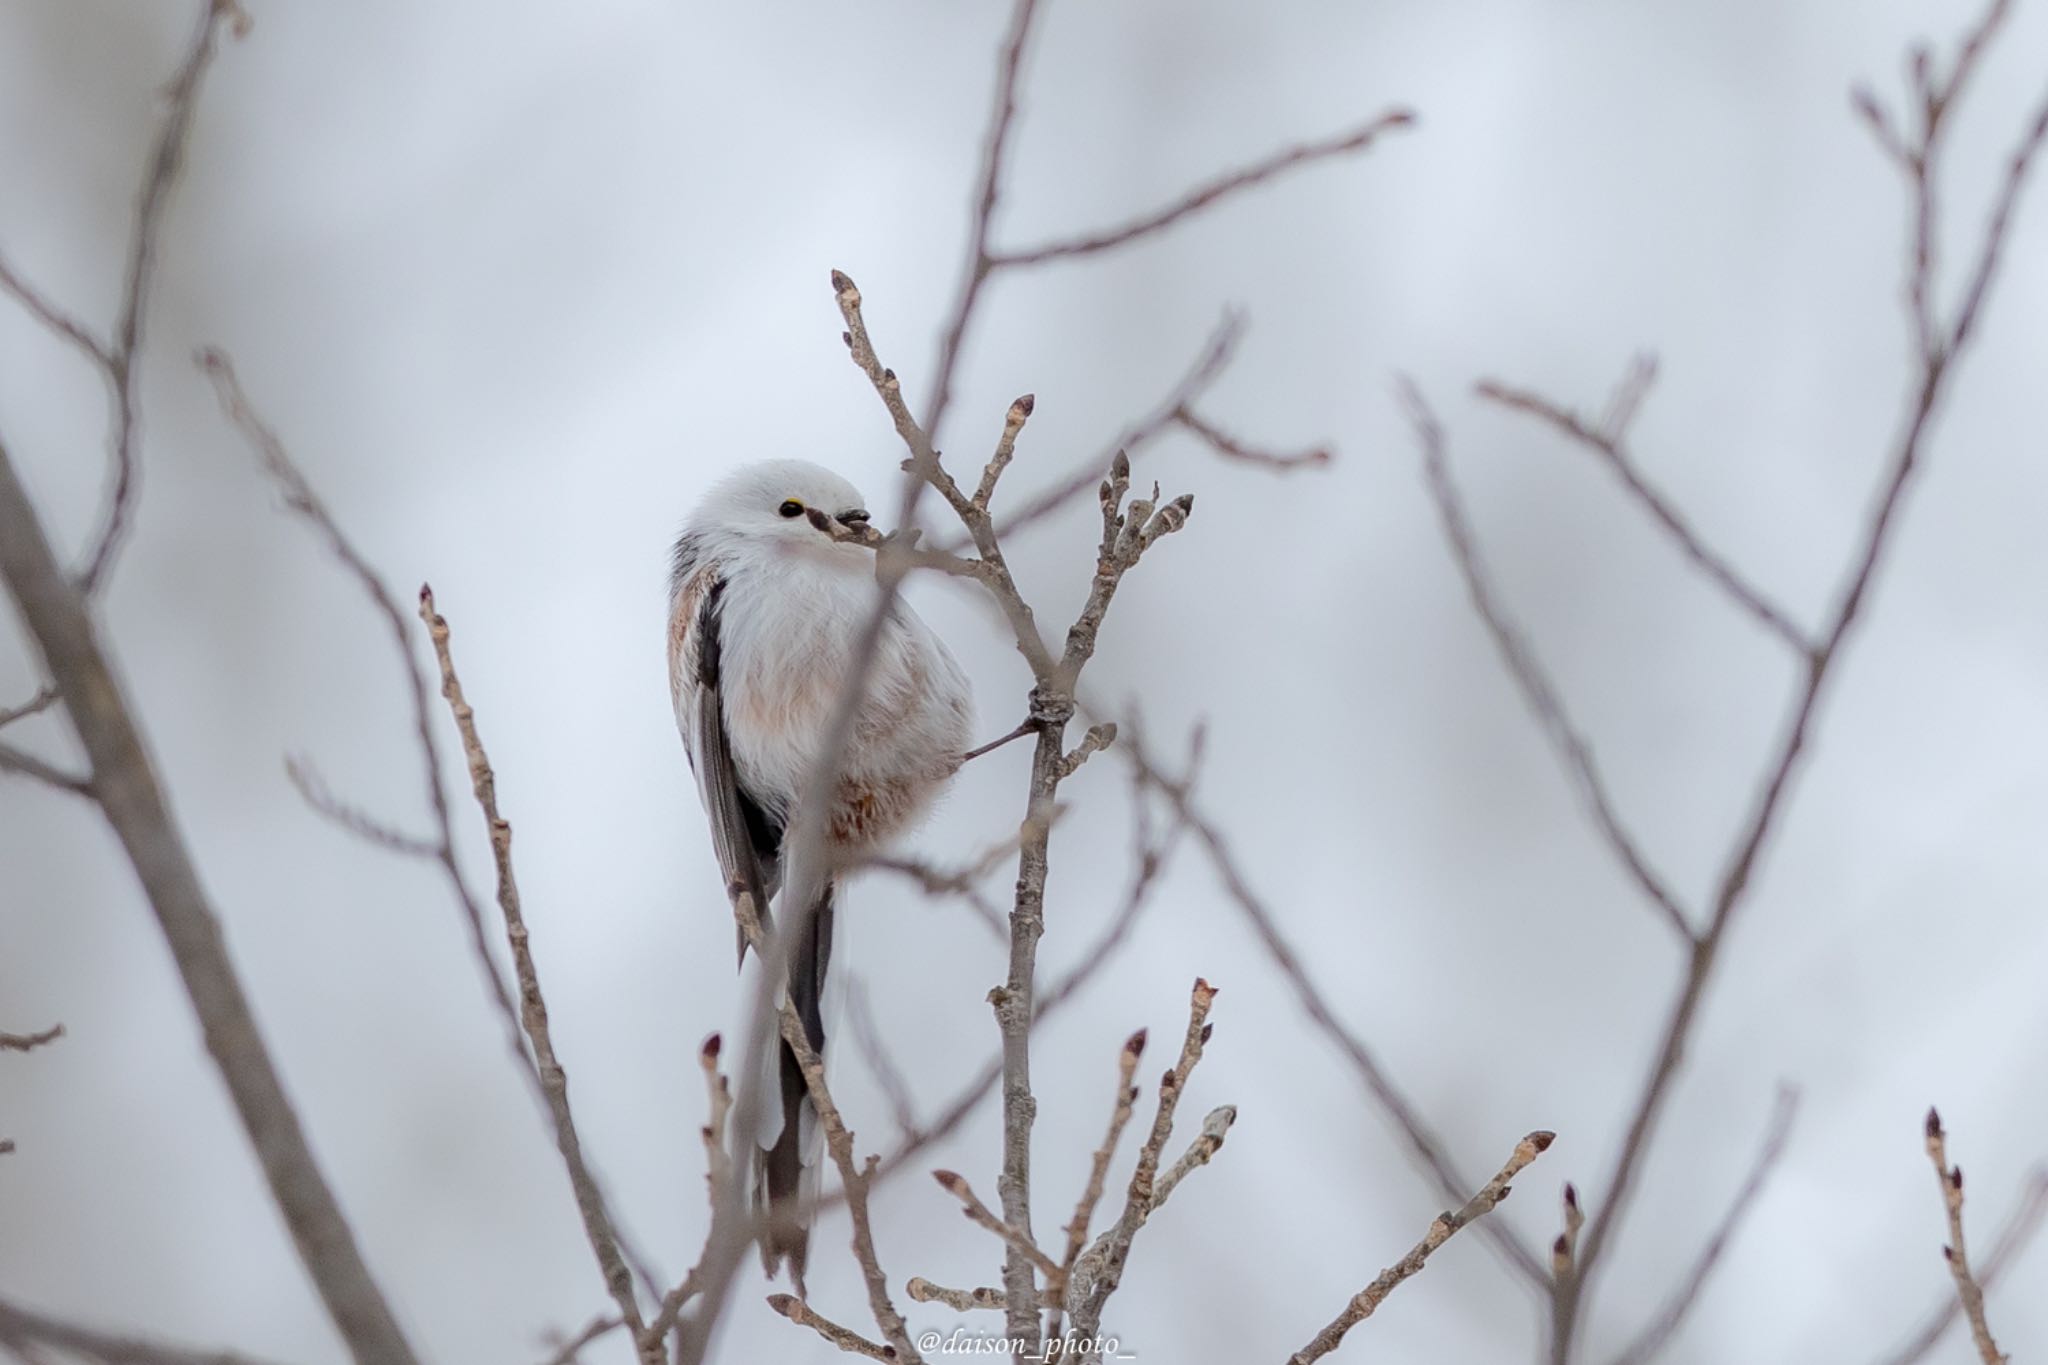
787 1152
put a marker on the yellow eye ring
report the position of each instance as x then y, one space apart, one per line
791 508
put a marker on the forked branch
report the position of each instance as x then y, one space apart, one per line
1367 1301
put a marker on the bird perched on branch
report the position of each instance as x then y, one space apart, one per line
771 591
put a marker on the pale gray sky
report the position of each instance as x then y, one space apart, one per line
516 282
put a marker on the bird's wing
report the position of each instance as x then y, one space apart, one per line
746 838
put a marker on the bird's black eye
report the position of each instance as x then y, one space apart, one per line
791 508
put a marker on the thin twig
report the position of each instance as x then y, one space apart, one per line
1026 728
1653 1338
1232 448
1098 1166
1209 1141
1202 196
1006 448
43 700
1968 1292
845 1338
26 764
1368 1299
1424 1144
53 317
313 790
867 1039
924 1291
123 357
725 1197
1099 1270
1152 858
601 1326
1203 371
1098 738
302 501
2012 1240
29 1042
853 1176
977 1213
1608 442
965 881
934 881
981 259
590 1203
1538 692
24 1331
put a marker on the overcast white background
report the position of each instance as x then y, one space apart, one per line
516 282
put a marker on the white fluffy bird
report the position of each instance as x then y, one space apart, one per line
765 611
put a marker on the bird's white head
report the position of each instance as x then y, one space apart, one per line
771 504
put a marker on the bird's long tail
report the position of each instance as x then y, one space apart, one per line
787 1158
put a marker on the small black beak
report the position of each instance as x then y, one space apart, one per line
857 517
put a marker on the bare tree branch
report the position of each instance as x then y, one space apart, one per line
29 1042
1128 532
1538 692
853 1176
1368 1299
1099 1270
1024 728
313 790
724 1192
1968 1292
867 1039
301 500
1653 1338
1936 364
1939 342
1151 857
966 1300
1231 448
24 1331
43 700
26 764
977 1213
572 1347
964 881
1203 196
1209 1141
2012 1241
124 782
1425 1145
845 1338
598 1226
43 310
981 260
122 359
1607 440
1203 371
1098 1166
935 881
